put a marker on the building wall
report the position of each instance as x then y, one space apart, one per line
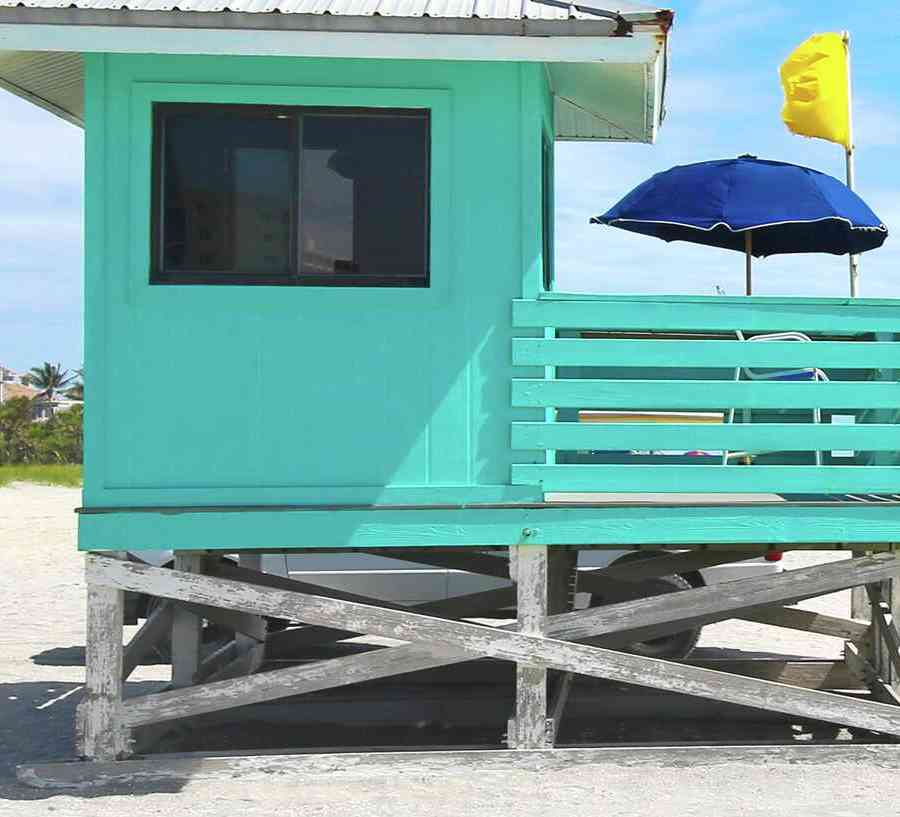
322 395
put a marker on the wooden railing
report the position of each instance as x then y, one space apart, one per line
813 415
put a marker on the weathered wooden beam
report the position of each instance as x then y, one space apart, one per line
250 647
337 766
187 629
657 615
807 621
650 617
809 674
885 626
528 728
860 666
100 733
562 688
441 635
281 683
156 628
286 643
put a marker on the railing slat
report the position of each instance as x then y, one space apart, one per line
689 437
704 394
704 353
782 479
709 314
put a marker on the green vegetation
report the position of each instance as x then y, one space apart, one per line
45 451
67 475
56 441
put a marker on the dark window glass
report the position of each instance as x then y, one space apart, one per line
363 196
227 194
291 196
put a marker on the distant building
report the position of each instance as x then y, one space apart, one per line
11 386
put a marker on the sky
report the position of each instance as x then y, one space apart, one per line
723 99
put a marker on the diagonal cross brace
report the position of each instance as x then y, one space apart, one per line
456 641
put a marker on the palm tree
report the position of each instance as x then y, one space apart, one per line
50 379
76 390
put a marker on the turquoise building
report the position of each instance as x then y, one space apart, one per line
320 301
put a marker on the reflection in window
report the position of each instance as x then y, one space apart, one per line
291 196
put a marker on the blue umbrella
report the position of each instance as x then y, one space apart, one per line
756 206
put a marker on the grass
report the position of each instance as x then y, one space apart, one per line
67 475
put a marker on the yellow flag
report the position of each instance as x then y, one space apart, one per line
817 89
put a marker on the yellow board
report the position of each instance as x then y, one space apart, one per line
589 416
817 89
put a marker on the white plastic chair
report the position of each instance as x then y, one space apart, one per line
812 373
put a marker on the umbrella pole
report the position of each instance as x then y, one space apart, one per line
748 250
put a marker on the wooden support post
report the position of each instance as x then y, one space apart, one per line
859 601
100 733
187 629
251 648
528 568
885 633
562 578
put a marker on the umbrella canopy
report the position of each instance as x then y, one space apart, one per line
785 208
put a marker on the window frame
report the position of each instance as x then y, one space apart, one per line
159 275
548 215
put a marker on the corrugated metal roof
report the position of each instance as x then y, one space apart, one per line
50 79
454 9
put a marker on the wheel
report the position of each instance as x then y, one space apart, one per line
676 646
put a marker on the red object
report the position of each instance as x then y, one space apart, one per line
773 555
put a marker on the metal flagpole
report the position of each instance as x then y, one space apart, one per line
851 170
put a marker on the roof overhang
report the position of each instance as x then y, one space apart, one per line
607 86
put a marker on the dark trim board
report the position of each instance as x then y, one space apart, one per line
157 769
829 526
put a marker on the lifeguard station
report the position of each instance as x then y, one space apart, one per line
320 314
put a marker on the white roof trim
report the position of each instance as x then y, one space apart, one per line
127 39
